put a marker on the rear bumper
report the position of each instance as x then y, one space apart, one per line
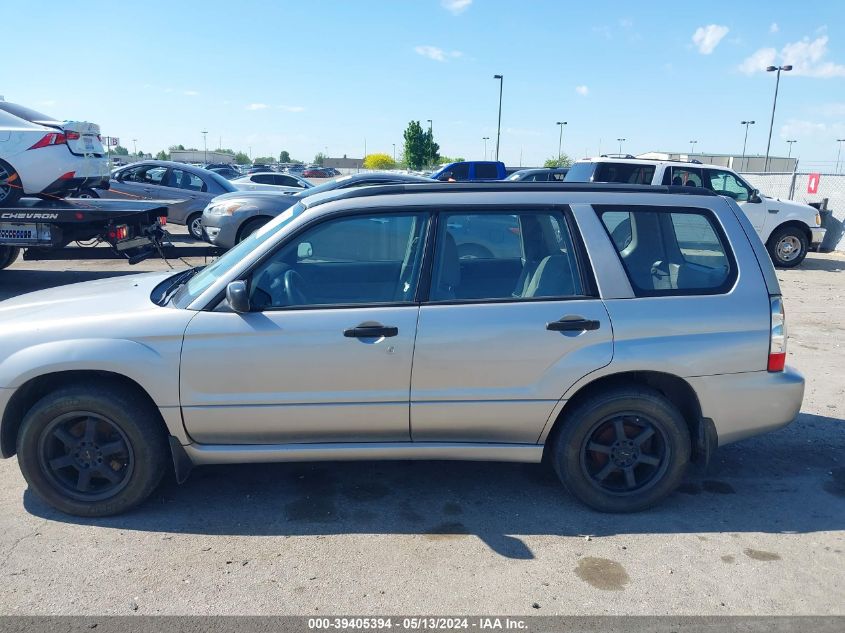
817 235
748 404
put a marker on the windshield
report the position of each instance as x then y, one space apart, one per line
211 273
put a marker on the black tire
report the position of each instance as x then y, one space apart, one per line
10 185
787 246
56 431
86 193
8 256
194 224
597 476
251 227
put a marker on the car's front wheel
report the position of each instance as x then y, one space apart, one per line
92 450
622 450
8 255
787 246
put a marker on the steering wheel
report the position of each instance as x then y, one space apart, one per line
294 284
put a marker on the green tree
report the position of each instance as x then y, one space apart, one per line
120 150
264 160
242 159
420 149
320 158
284 156
445 160
563 161
379 161
162 155
180 148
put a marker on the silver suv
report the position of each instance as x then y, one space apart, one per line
617 331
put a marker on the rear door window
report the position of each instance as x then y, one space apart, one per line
683 177
670 251
181 179
263 179
727 184
580 172
627 173
486 171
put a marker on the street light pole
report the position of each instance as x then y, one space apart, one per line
692 147
744 143
621 140
560 124
134 146
429 153
770 69
205 145
394 152
485 139
789 155
501 79
839 152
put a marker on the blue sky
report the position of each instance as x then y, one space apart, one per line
310 75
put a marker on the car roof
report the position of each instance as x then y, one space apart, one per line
650 161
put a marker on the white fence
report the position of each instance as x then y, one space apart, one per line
795 186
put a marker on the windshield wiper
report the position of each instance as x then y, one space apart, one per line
180 281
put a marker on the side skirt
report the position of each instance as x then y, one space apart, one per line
200 454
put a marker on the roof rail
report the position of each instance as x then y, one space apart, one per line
502 186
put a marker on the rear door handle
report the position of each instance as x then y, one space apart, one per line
371 331
577 324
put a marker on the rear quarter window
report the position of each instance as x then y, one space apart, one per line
580 172
670 250
626 173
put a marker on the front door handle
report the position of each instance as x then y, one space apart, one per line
573 324
371 331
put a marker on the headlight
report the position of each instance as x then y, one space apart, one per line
224 208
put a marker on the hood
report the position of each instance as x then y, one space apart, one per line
792 204
89 301
259 194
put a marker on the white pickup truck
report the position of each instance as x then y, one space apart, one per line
788 229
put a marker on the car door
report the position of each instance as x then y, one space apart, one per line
726 183
191 191
325 353
504 334
139 182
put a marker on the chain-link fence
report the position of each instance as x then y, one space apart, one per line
809 188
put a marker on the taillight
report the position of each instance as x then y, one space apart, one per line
119 232
162 220
777 336
72 136
52 138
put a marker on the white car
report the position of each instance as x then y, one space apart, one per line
42 156
272 181
788 229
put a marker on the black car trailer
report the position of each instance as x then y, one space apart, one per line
70 229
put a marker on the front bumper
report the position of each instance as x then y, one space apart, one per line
221 230
751 403
817 234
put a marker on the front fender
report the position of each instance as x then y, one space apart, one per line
156 370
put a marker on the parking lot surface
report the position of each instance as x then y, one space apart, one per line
762 531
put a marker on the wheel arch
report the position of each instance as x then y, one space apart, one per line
36 388
251 220
802 226
674 388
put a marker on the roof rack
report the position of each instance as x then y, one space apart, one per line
503 186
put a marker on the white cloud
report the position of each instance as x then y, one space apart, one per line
811 130
456 6
257 106
707 38
626 23
288 108
437 54
190 93
806 57
582 90
773 27
832 110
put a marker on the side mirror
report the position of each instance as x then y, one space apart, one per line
755 196
304 250
237 296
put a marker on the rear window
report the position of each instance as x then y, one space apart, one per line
670 251
626 173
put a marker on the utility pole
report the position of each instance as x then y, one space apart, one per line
744 143
501 79
560 124
770 69
839 152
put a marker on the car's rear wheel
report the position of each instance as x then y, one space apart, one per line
92 451
622 450
787 246
86 193
194 224
10 185
251 227
8 256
